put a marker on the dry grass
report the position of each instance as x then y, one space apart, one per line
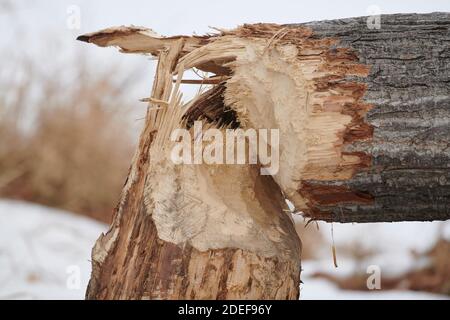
75 153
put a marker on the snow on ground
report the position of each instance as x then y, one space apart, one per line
43 252
321 289
393 245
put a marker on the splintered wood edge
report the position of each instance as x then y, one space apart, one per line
324 70
139 40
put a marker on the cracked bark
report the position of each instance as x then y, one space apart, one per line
408 88
364 134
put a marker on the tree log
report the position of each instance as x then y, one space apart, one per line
183 232
404 139
363 116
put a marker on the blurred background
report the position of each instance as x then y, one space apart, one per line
69 120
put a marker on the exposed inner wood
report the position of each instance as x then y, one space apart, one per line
362 111
180 232
282 79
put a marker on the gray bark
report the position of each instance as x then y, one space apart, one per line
409 88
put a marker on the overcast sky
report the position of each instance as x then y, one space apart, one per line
176 16
40 28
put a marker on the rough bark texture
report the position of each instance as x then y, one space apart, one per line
364 129
408 88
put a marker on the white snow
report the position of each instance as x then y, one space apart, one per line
394 245
43 250
320 289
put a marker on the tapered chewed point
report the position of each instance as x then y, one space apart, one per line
137 40
84 38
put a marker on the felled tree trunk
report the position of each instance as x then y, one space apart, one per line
363 116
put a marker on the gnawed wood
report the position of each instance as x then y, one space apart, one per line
139 40
179 247
180 232
364 133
